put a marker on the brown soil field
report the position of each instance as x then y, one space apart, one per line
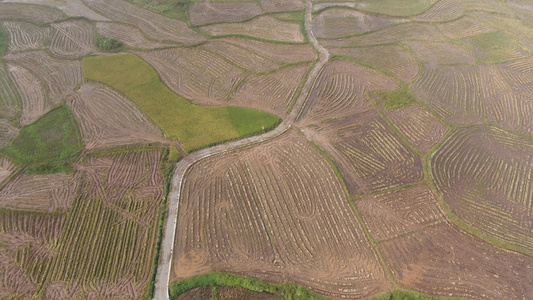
7 133
43 192
338 22
127 34
234 217
448 10
397 60
26 36
485 177
464 27
33 13
271 92
281 5
106 118
196 74
407 210
59 76
201 13
35 102
152 24
370 156
421 128
241 56
442 260
262 27
277 52
340 89
441 53
390 34
6 169
72 39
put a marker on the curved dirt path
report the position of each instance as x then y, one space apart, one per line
167 244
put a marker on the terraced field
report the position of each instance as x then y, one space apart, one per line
267 149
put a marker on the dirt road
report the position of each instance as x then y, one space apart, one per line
167 245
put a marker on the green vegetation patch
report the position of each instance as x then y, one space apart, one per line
495 47
194 126
397 99
49 145
4 40
177 9
111 45
287 290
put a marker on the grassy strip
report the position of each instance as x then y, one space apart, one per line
194 126
287 290
49 145
4 40
169 171
398 98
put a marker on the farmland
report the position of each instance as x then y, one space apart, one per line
266 149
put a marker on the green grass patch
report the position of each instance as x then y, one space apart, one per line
194 126
176 9
4 40
291 16
287 290
397 99
111 45
49 145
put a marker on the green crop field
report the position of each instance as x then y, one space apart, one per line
193 125
48 145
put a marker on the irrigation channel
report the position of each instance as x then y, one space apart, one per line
169 235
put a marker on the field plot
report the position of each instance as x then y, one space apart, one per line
196 74
527 114
281 5
72 39
236 217
519 75
27 240
464 27
454 92
35 102
26 36
271 92
447 10
7 132
442 260
340 89
71 8
106 118
201 13
244 58
421 128
394 8
485 176
282 53
392 58
390 34
193 125
29 12
102 247
43 192
370 156
338 22
495 47
59 76
127 34
6 168
441 53
9 96
406 211
262 27
156 26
